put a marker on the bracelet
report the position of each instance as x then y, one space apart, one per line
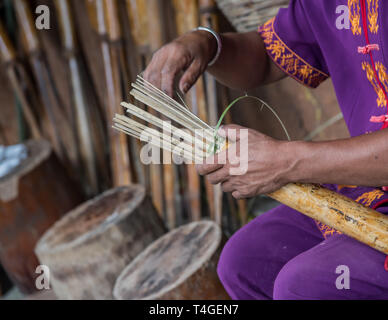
219 43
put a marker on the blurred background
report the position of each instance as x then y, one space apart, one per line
64 85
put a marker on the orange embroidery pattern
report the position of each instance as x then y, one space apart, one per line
288 60
354 16
367 67
373 15
341 186
382 73
367 198
326 230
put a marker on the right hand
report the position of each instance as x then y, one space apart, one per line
190 54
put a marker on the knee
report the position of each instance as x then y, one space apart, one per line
229 265
295 281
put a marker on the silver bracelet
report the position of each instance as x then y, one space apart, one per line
219 43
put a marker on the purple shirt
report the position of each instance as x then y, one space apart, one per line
310 41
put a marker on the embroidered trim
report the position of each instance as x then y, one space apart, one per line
288 60
368 198
373 15
370 74
354 16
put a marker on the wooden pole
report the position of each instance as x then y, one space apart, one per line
139 55
188 18
7 53
88 248
61 132
83 114
157 40
107 28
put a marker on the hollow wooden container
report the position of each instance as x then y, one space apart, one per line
91 245
32 197
179 266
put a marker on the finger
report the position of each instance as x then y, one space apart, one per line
212 163
218 176
167 80
227 186
190 76
237 195
205 169
232 132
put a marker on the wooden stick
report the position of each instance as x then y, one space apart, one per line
82 112
183 11
209 18
61 132
108 30
7 53
156 36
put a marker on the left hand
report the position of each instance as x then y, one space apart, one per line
255 163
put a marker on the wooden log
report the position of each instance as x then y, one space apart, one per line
32 198
90 246
179 266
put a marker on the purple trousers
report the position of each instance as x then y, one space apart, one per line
282 255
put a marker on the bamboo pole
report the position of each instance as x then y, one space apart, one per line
137 12
109 32
209 18
157 39
7 53
60 131
83 114
187 19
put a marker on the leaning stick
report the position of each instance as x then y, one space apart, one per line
156 36
7 53
137 12
31 46
82 111
209 18
61 133
185 11
108 30
336 211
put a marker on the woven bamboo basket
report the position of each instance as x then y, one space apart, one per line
247 15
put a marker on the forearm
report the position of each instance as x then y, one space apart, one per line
359 161
244 63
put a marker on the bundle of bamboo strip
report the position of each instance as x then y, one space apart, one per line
195 144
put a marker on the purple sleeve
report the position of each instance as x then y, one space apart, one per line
291 44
